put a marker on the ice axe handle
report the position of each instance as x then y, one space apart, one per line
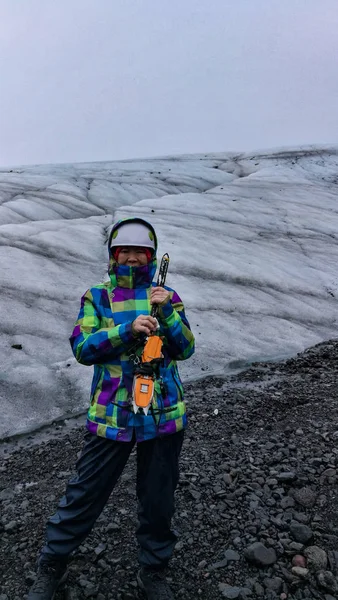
162 274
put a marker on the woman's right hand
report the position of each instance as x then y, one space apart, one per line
144 324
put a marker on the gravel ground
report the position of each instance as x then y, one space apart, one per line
256 508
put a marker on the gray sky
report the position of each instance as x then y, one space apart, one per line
87 80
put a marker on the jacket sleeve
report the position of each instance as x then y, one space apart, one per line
92 344
181 341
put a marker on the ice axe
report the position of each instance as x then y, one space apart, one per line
147 369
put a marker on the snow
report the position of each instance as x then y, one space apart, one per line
253 247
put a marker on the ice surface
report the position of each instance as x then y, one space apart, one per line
253 247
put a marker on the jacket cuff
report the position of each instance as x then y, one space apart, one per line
167 314
125 334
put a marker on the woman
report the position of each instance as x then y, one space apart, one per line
114 321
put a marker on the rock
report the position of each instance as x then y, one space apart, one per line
113 527
301 533
316 558
218 565
296 547
227 478
300 572
195 494
91 591
245 592
271 482
286 476
63 474
30 577
202 564
258 589
299 561
329 473
333 561
274 584
305 496
259 555
327 581
287 502
229 591
301 518
71 594
84 582
100 549
7 494
231 555
11 526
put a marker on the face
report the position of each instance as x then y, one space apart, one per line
132 256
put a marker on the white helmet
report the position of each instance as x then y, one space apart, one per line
133 234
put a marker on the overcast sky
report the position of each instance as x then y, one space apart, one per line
88 80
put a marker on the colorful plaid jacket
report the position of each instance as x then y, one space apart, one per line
103 337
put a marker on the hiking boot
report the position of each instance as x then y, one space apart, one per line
50 575
154 584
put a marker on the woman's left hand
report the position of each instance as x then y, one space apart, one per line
159 295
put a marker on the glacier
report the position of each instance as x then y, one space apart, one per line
252 239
